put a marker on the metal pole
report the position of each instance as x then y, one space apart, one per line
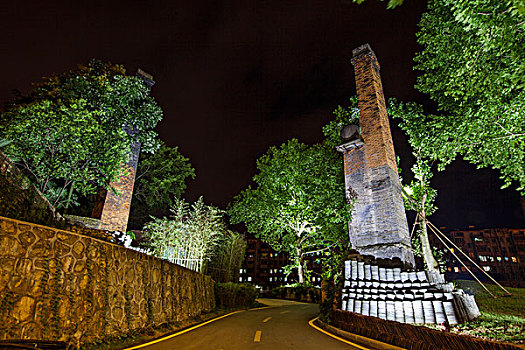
462 263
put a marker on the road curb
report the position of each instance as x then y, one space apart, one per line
372 343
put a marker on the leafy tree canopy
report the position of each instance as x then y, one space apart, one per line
70 131
390 5
418 195
344 115
160 179
473 66
298 204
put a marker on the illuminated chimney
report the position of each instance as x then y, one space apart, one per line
379 225
113 209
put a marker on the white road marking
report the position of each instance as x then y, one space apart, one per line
257 338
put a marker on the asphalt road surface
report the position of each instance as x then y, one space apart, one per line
284 325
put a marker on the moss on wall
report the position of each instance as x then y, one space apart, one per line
60 285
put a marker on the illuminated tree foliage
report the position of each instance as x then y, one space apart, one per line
160 179
390 5
227 259
68 134
473 65
418 195
298 204
344 115
193 235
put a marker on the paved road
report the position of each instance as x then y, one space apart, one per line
284 325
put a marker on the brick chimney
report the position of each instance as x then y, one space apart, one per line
379 225
113 208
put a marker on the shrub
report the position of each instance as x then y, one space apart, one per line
232 295
297 292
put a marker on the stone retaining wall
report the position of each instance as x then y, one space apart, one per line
59 285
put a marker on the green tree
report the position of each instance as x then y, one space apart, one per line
69 132
473 65
419 196
298 204
190 236
391 3
47 141
161 177
344 115
227 258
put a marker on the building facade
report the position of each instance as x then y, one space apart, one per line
263 266
498 251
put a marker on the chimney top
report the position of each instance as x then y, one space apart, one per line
365 48
364 52
148 78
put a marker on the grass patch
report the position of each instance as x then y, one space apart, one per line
502 318
513 306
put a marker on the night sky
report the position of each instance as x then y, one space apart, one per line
237 77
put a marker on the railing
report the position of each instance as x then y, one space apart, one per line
183 258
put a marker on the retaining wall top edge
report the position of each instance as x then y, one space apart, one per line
97 240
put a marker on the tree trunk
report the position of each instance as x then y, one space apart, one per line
300 270
69 196
428 257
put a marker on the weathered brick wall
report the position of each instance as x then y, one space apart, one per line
373 118
379 226
59 285
114 212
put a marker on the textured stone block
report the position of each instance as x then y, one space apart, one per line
69 287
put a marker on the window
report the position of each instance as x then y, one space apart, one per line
478 239
249 278
498 258
486 268
514 259
456 269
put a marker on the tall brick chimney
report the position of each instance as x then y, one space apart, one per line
379 225
113 209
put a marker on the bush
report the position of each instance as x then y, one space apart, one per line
302 293
234 295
